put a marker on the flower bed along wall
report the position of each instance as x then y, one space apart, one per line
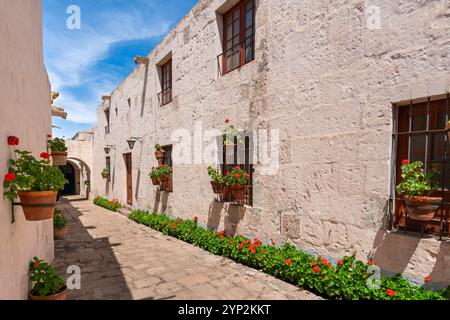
346 280
112 205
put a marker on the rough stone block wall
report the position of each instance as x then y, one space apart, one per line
327 81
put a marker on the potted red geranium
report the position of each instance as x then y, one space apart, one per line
236 180
58 151
46 283
415 188
35 182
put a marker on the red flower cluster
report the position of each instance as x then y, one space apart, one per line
227 120
10 177
13 141
316 269
427 279
406 161
288 262
371 262
246 175
227 173
231 242
195 218
326 263
314 263
49 136
390 292
237 175
36 264
340 262
241 245
273 243
44 155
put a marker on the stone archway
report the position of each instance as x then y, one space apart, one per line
82 176
70 172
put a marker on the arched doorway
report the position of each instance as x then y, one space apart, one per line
69 173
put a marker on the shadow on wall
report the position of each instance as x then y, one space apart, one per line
232 216
394 251
161 200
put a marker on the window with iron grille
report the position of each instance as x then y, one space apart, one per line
420 134
239 35
166 83
167 186
233 158
108 167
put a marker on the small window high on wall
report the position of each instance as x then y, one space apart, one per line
239 35
166 83
420 134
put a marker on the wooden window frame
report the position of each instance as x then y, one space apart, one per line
403 146
166 83
242 8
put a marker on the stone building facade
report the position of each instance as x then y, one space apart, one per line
25 112
328 77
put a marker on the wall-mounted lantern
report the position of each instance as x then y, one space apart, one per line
141 60
133 140
108 148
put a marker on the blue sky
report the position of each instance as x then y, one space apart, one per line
85 64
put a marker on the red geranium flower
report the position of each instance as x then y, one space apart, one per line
10 177
237 168
13 141
195 218
237 175
340 262
288 262
241 245
227 173
231 242
253 251
325 262
406 161
314 263
316 269
390 292
49 136
227 120
222 232
44 155
371 262
221 236
273 243
215 232
36 264
427 279
246 175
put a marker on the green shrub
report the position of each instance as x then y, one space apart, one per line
45 280
345 280
112 205
59 221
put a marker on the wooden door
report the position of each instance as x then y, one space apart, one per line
128 165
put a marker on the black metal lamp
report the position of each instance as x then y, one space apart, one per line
108 148
132 141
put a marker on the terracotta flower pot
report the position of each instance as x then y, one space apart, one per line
155 181
37 205
159 155
237 192
59 158
217 187
60 234
59 296
105 175
422 208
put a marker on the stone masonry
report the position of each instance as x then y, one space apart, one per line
324 75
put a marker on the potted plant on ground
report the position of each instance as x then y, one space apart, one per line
46 283
159 152
236 180
217 180
58 151
105 173
154 175
35 182
415 188
59 225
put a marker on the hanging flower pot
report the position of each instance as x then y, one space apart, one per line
58 151
47 284
414 187
59 158
159 153
154 175
237 180
105 173
217 180
237 192
37 205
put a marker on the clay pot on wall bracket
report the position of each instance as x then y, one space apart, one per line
155 181
217 187
422 208
38 205
59 296
159 155
105 175
59 158
237 192
60 234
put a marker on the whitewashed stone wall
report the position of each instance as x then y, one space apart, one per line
327 81
24 112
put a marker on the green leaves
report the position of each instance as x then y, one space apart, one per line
32 174
59 221
415 182
45 280
57 145
113 205
215 175
346 280
160 171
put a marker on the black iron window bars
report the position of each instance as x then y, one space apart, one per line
414 135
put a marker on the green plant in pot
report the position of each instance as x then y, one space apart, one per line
105 173
58 151
46 283
35 182
415 188
236 180
165 173
217 180
59 225
159 152
154 175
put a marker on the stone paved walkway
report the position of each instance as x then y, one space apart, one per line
120 259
